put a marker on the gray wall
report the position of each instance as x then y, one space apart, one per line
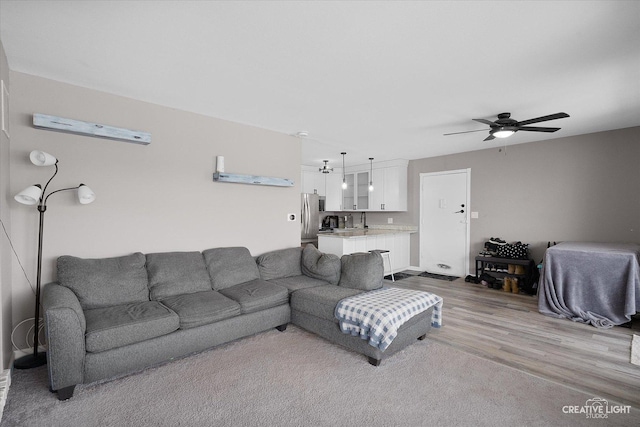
154 198
5 248
583 188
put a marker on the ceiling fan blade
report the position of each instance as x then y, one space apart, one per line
543 119
489 138
468 131
538 129
486 122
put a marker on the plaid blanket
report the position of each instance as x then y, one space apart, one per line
377 315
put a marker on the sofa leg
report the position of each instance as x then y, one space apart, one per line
66 392
422 337
282 328
374 362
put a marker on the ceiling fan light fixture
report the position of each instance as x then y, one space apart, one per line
503 132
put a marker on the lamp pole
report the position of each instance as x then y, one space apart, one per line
36 359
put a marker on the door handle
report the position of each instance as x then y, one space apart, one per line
460 211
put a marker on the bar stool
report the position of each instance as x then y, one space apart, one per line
386 255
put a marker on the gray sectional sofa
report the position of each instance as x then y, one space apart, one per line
108 317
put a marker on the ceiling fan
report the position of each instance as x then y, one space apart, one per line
505 126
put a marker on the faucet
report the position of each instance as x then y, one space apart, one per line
364 222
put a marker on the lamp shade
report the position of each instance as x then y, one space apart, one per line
85 194
40 158
30 195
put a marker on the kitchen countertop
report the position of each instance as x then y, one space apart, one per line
346 233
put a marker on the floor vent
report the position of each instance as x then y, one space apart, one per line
5 382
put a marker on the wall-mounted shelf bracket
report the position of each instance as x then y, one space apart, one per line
252 179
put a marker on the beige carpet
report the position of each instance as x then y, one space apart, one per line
296 379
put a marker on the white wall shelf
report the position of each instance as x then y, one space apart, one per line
59 124
252 179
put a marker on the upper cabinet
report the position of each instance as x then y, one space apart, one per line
356 196
389 188
333 201
313 181
327 185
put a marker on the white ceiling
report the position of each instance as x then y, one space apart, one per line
374 79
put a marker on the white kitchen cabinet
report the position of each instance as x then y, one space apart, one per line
390 188
389 182
397 243
333 200
313 181
356 196
377 195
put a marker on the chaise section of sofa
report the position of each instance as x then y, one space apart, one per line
313 309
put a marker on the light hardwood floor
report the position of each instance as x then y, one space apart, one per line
507 328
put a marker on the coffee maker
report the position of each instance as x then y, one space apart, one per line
330 222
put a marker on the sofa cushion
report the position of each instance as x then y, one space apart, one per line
176 273
362 270
230 266
105 282
121 325
202 308
295 283
280 263
257 295
321 301
320 266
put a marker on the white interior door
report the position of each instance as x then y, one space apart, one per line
444 222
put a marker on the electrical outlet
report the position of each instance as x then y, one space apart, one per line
291 217
389 220
474 215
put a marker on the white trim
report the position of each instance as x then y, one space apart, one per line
18 353
376 165
5 108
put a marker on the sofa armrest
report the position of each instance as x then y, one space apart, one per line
65 328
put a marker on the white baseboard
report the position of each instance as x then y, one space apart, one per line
414 268
17 354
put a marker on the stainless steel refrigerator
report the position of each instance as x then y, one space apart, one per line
310 217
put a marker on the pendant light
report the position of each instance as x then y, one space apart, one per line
371 175
344 178
325 168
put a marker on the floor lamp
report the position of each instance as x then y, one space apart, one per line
36 195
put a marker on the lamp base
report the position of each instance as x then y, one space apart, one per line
30 361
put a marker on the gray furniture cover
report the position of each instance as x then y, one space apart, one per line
597 283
